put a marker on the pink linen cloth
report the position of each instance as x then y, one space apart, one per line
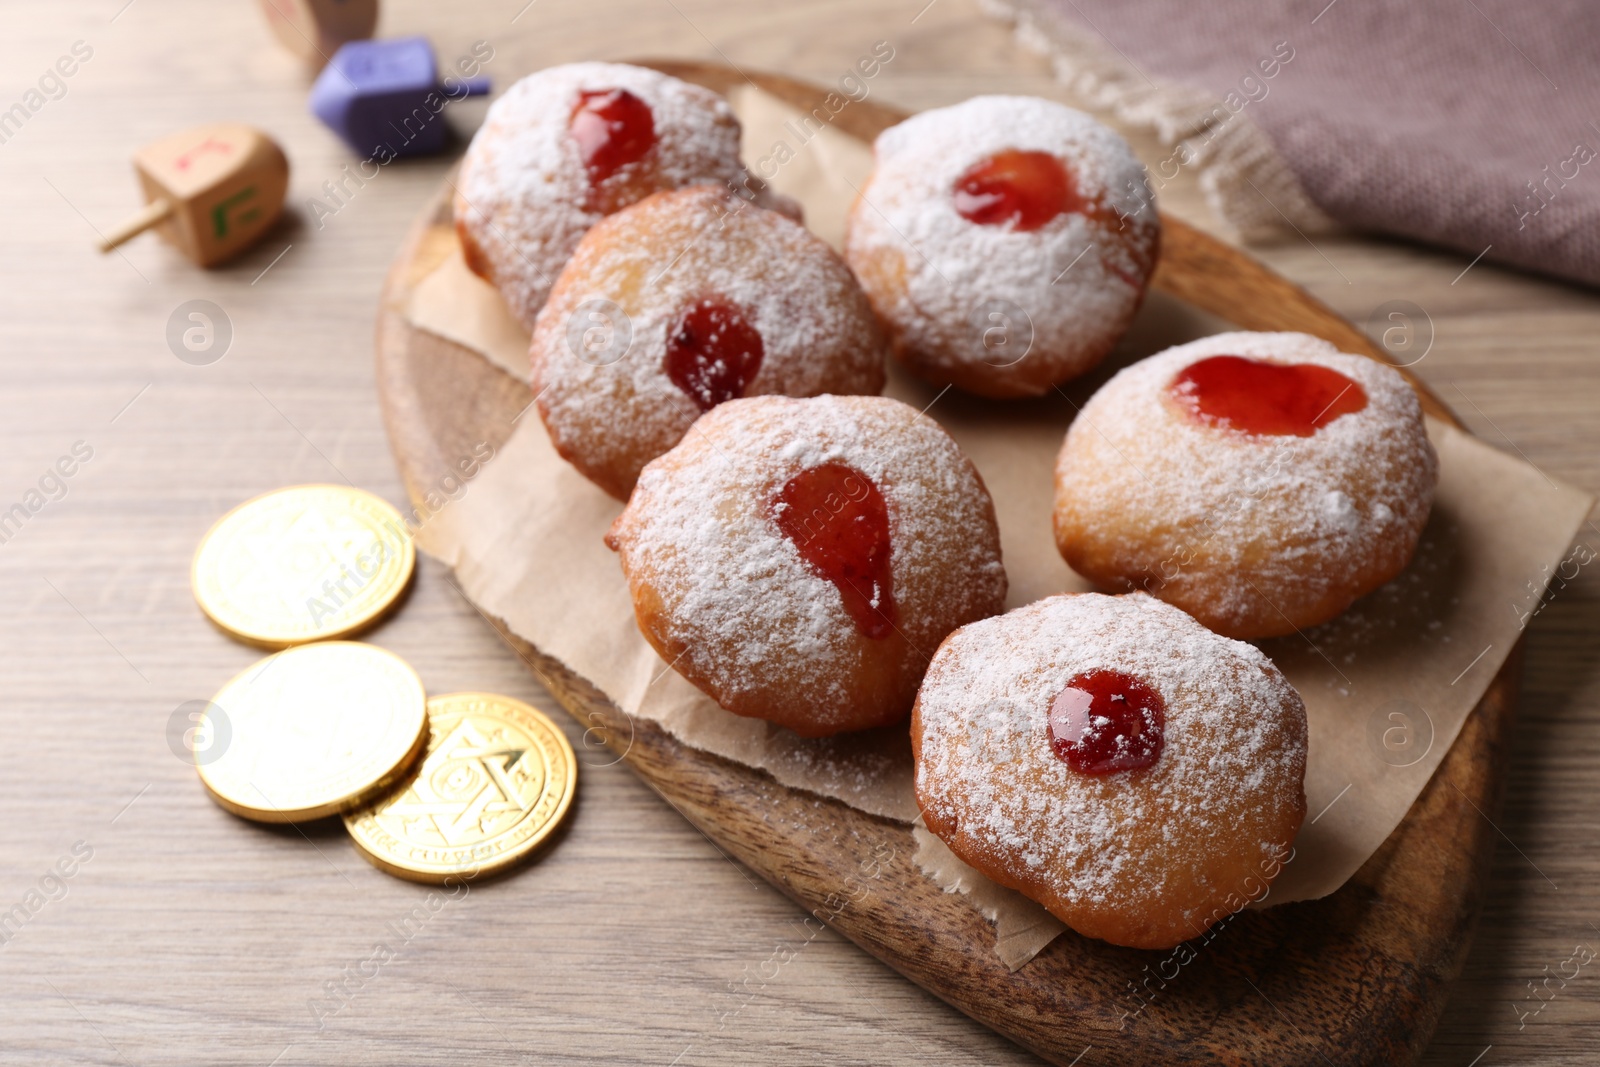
1470 124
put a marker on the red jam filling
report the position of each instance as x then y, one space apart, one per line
1257 397
1107 721
713 354
837 519
613 128
1022 189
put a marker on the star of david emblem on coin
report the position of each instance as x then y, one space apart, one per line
497 780
482 785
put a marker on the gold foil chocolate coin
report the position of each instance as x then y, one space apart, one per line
497 780
306 563
315 730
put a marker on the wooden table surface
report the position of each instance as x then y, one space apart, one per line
186 936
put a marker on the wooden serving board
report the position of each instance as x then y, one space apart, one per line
1358 977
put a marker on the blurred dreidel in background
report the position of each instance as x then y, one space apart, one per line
388 93
211 190
314 29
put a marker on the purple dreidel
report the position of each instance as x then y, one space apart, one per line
385 98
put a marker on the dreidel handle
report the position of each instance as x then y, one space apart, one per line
155 212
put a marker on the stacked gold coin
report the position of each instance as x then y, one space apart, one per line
432 790
316 730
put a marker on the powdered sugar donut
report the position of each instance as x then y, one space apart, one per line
1109 757
1260 481
678 303
1005 241
568 145
800 560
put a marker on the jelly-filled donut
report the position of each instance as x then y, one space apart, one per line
1262 482
1114 760
800 560
567 146
683 301
1006 242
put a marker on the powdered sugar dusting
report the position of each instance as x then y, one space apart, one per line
949 268
1225 793
523 197
652 260
756 622
1185 509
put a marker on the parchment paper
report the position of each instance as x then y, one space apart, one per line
1387 686
1021 927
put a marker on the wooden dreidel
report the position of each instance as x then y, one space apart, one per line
211 190
314 29
385 98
